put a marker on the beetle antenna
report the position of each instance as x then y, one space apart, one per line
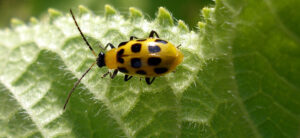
82 35
76 84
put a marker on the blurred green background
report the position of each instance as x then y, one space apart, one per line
187 10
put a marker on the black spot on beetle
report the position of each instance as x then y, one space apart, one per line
141 72
120 60
161 41
123 43
124 70
160 70
153 61
141 40
136 62
136 47
153 49
120 52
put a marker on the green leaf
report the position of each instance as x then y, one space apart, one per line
239 77
249 86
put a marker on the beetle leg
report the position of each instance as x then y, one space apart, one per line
149 81
127 77
114 74
133 37
105 74
107 45
152 33
110 45
178 46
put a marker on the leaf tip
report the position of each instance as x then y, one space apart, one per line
135 14
33 20
54 13
182 26
16 22
206 12
201 25
109 11
164 17
83 9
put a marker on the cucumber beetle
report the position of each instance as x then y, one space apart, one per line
150 57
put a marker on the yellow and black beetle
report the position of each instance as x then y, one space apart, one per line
149 58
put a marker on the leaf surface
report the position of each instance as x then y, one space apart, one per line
239 77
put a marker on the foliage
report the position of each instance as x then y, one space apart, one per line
239 78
